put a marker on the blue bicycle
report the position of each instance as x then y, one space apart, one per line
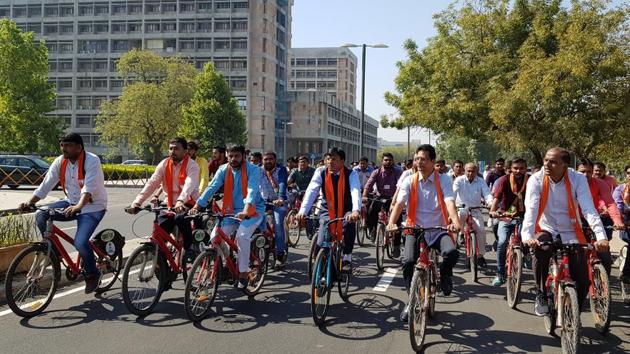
327 270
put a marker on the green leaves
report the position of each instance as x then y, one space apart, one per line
522 74
25 93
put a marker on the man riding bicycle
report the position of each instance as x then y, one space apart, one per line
384 179
178 177
340 195
469 190
301 177
273 188
430 202
621 195
241 184
509 196
81 178
549 211
364 171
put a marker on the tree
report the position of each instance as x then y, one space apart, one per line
25 93
213 115
149 111
526 75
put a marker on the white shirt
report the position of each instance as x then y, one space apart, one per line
555 219
190 189
93 183
428 212
470 193
405 174
314 190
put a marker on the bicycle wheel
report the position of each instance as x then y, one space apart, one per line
360 232
432 291
320 288
343 280
292 228
473 257
380 246
387 240
600 299
109 266
418 309
514 277
258 266
312 253
550 317
144 279
570 332
202 285
31 280
625 288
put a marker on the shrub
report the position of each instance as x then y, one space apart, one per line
17 229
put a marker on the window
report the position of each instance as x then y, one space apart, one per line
204 45
119 9
186 27
85 28
49 10
222 63
118 28
280 35
86 10
35 28
221 44
100 84
67 28
152 8
310 62
239 64
66 10
64 84
134 27
52 66
66 48
186 45
51 29
19 11
152 27
239 25
204 26
115 83
100 10
120 45
65 66
222 5
100 66
204 6
169 8
240 5
238 83
52 47
101 28
34 11
135 9
84 102
239 44
85 66
63 102
169 27
84 83
221 26
264 45
186 7
84 121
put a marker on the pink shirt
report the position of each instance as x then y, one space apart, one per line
183 193
611 182
606 201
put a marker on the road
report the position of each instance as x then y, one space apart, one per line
474 318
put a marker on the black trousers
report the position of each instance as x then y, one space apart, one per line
372 217
349 232
444 245
183 225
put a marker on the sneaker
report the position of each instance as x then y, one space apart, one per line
447 285
498 281
404 315
372 235
242 283
396 251
541 308
281 261
92 282
346 267
481 261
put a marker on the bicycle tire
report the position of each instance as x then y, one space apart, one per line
570 332
600 300
159 272
343 280
432 291
472 259
320 290
418 309
109 270
360 232
625 288
22 310
292 226
261 265
205 263
312 254
514 278
380 246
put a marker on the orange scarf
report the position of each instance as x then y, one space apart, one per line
572 211
228 197
274 185
81 172
335 211
168 178
413 199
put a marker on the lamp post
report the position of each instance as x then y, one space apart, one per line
284 144
351 45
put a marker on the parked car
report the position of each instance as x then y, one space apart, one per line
17 170
134 162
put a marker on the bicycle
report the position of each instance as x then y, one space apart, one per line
293 226
361 228
161 259
384 239
207 271
327 271
270 234
514 260
470 241
599 288
37 267
623 258
562 298
313 248
424 287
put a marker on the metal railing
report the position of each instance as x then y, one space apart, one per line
115 176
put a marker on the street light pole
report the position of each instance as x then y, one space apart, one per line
284 144
408 142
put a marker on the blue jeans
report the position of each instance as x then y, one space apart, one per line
279 213
504 232
86 224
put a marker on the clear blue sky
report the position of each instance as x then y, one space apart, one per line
331 23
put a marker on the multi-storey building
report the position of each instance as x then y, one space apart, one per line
332 70
247 40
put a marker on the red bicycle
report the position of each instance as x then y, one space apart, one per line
599 288
293 227
34 273
208 269
384 240
152 267
470 241
514 260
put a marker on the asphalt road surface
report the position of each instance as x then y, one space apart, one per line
474 318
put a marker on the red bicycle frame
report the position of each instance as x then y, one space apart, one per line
161 238
220 238
467 230
515 240
53 237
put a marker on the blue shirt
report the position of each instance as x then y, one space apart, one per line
279 176
253 192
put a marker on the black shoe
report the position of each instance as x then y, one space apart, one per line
92 282
242 283
460 239
404 315
346 267
281 261
447 285
396 251
625 279
481 262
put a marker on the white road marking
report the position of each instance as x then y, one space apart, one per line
386 279
58 295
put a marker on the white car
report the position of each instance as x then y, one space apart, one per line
134 162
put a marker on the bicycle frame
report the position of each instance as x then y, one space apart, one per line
561 280
220 238
330 245
161 239
515 242
467 230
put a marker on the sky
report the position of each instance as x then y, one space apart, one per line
332 23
